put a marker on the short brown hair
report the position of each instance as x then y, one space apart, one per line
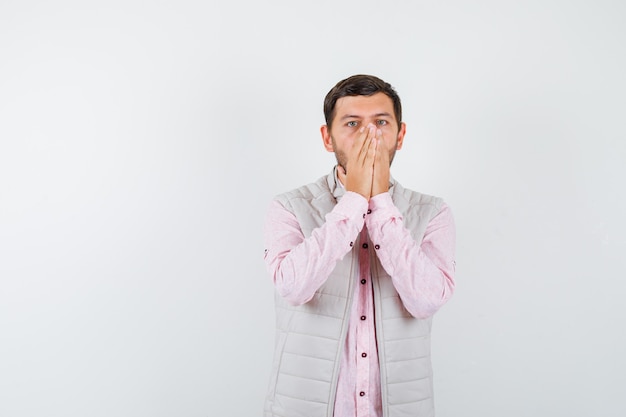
360 85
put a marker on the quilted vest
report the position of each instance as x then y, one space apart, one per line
310 337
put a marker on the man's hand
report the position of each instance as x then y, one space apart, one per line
380 183
360 163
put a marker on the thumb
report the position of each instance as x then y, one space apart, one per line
342 174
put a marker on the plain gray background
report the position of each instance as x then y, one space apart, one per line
141 143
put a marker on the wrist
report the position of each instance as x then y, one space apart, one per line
380 189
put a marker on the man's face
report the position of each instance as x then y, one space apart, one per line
353 112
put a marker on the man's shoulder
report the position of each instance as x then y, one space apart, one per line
309 191
408 197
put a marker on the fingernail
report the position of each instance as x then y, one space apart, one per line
379 132
362 129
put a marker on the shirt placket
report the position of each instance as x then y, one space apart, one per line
364 329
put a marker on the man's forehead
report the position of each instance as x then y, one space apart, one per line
364 105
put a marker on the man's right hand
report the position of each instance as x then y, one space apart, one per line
360 165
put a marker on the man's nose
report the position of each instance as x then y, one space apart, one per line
369 124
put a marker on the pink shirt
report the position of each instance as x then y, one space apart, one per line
423 275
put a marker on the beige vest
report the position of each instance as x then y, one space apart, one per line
310 337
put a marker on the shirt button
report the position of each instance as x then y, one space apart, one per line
364 355
369 211
365 246
361 393
351 243
363 281
362 317
376 247
363 215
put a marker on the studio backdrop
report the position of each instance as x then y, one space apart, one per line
142 142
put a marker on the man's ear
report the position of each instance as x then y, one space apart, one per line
328 142
401 134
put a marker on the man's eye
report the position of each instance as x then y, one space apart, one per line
381 122
352 124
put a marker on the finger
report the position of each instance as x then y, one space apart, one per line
373 149
341 172
360 141
382 153
369 145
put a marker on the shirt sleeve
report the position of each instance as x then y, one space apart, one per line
422 272
299 266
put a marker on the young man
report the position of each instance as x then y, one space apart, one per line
360 265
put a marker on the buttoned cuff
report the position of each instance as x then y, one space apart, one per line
353 207
381 209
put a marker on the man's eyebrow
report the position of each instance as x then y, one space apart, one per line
356 116
350 116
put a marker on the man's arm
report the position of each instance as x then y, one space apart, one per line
300 266
422 273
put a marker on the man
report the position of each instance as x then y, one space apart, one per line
360 265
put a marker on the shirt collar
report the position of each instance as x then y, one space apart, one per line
334 184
